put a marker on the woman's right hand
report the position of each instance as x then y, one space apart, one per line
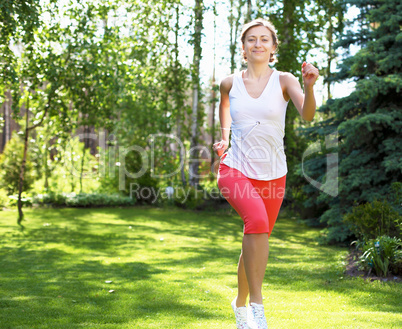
220 147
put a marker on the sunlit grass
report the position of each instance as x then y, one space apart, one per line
172 268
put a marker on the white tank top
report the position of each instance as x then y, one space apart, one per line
258 128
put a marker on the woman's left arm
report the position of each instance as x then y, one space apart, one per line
305 103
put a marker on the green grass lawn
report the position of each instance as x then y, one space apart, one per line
173 268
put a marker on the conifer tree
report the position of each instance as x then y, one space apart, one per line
368 121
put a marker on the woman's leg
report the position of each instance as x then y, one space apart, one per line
242 284
255 257
249 204
256 246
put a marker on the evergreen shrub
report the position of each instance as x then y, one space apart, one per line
201 198
83 200
372 219
188 198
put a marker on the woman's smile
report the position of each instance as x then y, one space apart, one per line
258 42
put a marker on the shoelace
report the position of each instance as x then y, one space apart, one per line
258 311
241 315
259 316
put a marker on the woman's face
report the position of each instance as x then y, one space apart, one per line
258 44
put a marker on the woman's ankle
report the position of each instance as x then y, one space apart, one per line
256 299
240 302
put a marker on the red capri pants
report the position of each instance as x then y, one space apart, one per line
256 201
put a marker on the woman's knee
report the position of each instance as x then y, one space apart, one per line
256 225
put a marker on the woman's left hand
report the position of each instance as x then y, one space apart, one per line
310 74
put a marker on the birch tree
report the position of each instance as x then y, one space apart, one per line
196 41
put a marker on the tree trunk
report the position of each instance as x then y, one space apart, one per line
249 11
4 132
213 96
179 98
24 159
330 34
234 31
22 171
46 186
7 116
194 161
181 154
232 45
86 132
194 164
72 183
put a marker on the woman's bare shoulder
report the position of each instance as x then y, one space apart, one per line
287 79
286 76
227 83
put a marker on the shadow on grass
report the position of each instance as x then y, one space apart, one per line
181 222
32 280
320 268
50 288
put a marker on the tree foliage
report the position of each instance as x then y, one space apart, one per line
19 19
10 166
116 67
368 121
299 27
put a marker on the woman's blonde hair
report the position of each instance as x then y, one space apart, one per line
269 26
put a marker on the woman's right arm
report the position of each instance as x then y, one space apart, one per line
224 116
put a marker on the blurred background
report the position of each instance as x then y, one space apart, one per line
98 96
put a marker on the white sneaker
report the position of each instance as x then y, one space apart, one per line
241 315
256 317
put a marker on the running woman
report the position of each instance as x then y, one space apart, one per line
252 173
